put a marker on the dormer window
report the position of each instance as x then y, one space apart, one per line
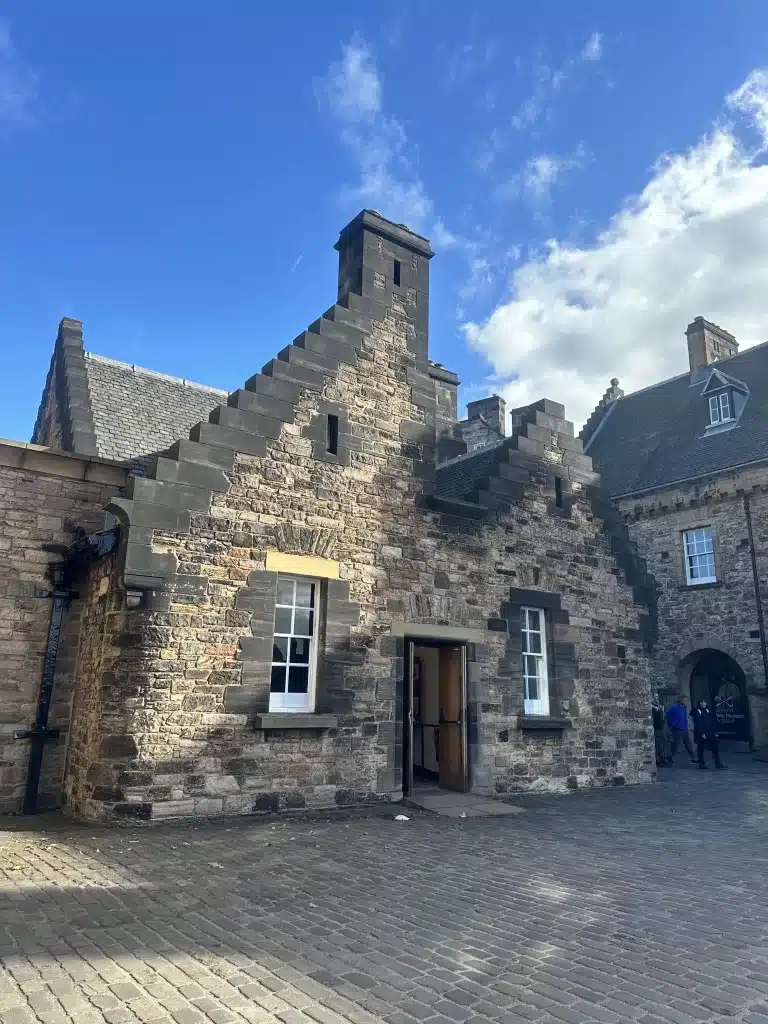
720 408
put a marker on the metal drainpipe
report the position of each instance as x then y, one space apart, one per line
89 547
756 581
40 734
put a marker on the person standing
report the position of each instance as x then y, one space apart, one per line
659 731
677 720
705 733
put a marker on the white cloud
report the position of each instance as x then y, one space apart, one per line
692 243
352 92
548 81
18 85
593 48
539 176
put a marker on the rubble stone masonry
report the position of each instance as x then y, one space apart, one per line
720 616
173 696
44 495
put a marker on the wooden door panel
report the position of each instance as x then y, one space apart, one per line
451 719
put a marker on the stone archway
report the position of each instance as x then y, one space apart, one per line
712 674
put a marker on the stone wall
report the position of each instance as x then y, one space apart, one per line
720 616
187 730
44 495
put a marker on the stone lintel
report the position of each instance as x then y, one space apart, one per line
302 565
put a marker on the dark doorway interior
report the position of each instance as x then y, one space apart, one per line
435 717
719 680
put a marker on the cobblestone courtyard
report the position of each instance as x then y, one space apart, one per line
646 904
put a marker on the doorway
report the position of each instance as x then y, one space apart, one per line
435 746
719 680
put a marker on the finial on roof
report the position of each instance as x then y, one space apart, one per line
615 381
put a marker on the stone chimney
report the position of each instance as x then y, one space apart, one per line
492 410
387 264
707 343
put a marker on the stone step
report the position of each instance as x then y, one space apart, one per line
263 405
272 387
192 473
252 423
311 360
294 374
351 317
329 348
229 438
346 334
205 455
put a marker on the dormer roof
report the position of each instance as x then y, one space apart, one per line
718 380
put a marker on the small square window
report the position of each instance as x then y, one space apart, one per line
699 556
294 646
719 408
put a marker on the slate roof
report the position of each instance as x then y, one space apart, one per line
137 412
459 477
657 437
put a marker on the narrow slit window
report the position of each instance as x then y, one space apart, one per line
396 275
332 435
558 492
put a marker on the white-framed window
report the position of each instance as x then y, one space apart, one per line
534 654
719 408
699 555
294 645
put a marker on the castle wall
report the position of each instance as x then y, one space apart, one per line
44 495
179 687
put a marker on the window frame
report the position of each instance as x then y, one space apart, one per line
285 702
540 706
688 556
717 404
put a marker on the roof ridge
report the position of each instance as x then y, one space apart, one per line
687 373
154 373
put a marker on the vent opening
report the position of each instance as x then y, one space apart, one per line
332 435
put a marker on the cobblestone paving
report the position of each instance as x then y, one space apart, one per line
641 905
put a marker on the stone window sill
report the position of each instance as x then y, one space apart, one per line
699 586
296 720
547 723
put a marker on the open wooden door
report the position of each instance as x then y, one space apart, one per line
452 719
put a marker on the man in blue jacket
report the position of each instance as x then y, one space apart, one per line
677 720
705 733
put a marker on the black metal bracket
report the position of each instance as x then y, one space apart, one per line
37 735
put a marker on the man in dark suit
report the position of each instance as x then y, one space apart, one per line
705 733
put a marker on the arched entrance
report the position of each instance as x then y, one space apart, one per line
718 679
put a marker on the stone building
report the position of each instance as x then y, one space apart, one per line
686 463
320 589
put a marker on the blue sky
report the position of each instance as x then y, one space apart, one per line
592 176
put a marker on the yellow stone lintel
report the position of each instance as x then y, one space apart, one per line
303 565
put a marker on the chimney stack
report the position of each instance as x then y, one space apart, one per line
707 343
492 410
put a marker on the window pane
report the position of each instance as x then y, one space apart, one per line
278 679
284 591
524 641
725 407
305 594
283 620
531 689
302 625
714 413
298 679
533 619
534 640
280 648
300 651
